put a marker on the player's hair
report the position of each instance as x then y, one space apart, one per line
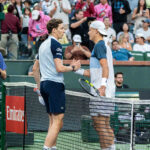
53 23
118 73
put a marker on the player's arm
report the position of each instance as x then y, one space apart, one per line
83 72
36 73
75 65
105 73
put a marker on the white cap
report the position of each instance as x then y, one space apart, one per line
35 14
100 26
77 38
140 35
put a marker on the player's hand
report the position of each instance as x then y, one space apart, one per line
102 90
76 64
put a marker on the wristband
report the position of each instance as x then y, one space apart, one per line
80 71
104 81
73 67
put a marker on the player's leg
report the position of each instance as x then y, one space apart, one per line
54 129
111 134
100 127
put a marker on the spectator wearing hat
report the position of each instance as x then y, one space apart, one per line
145 30
37 27
120 54
76 51
10 29
140 43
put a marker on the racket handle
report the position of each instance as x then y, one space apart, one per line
37 91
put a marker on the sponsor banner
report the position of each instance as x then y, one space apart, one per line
15 115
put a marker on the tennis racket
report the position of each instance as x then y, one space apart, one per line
89 87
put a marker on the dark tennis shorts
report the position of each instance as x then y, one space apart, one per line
53 94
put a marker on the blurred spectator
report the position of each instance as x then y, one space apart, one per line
79 25
37 27
111 33
140 45
103 9
120 54
126 32
64 39
148 4
124 42
139 14
37 6
119 81
60 9
86 6
133 4
5 4
45 6
72 10
120 10
18 7
25 24
3 67
76 51
10 29
27 4
145 30
1 6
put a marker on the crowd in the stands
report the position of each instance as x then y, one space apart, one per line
23 26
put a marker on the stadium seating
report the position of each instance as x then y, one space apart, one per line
138 56
147 56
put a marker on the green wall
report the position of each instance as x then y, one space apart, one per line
134 76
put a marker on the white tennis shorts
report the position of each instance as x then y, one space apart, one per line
101 106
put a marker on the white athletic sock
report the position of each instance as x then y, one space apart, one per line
112 147
105 149
46 148
54 148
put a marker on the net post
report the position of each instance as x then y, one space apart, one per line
132 128
3 124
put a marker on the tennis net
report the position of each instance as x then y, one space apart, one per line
130 121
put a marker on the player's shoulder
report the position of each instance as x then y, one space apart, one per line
100 44
55 43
